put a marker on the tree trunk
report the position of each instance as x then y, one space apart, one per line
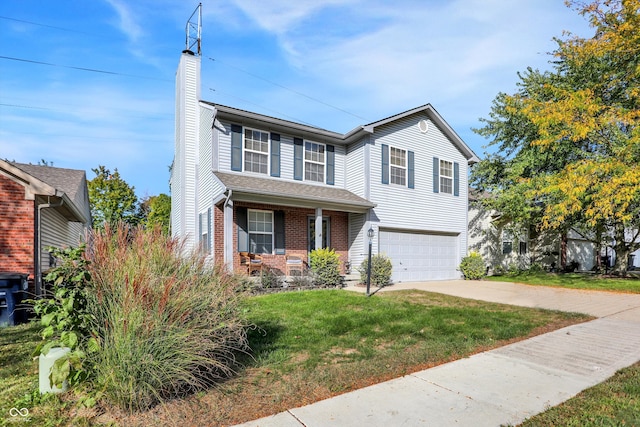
621 247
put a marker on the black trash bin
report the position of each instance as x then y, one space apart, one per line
13 288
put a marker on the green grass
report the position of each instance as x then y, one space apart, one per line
573 281
19 374
307 346
615 402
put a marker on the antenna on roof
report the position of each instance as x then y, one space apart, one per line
194 31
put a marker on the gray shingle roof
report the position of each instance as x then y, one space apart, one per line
72 182
283 189
68 180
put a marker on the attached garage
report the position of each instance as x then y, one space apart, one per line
420 256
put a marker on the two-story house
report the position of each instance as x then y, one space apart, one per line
246 182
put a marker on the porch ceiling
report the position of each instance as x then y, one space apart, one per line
281 192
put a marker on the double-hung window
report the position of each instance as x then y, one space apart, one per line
398 166
260 228
256 151
507 242
446 177
314 161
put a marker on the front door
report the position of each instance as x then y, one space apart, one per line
311 233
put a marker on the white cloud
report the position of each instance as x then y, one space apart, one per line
127 24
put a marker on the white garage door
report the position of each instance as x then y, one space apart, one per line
417 256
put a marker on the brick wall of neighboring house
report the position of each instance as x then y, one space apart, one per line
296 238
16 229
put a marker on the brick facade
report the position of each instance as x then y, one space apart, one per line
17 229
296 234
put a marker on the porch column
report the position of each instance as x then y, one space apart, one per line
228 234
318 228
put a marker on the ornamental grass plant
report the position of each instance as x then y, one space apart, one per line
167 322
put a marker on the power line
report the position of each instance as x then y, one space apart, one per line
26 106
290 90
51 26
93 70
56 110
261 106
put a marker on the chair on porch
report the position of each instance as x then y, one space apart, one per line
294 263
255 264
251 262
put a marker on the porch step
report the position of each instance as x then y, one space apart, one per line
351 279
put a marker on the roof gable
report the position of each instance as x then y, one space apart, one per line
70 185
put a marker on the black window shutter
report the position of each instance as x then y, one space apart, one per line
411 172
275 154
331 164
298 152
278 219
436 175
236 147
243 229
456 179
385 164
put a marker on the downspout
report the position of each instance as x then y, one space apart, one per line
38 266
226 202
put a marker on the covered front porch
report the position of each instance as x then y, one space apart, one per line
275 220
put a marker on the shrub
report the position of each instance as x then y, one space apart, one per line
65 317
301 281
325 267
269 279
380 270
167 323
472 266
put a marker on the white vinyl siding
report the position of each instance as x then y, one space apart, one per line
185 164
222 162
357 178
57 231
419 209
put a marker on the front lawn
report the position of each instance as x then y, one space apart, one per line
573 281
306 346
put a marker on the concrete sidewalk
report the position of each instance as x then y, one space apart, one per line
501 386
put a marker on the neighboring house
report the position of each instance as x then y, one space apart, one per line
246 182
502 247
40 206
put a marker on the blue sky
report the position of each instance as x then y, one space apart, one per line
88 83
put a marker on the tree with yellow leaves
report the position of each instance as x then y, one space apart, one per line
568 142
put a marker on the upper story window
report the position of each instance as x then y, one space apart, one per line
314 159
446 177
256 151
398 166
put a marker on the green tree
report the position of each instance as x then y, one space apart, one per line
157 212
568 141
112 200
